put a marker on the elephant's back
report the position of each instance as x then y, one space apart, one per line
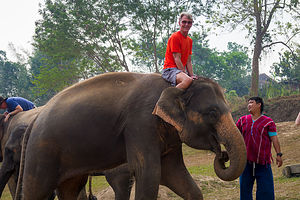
102 99
21 119
109 88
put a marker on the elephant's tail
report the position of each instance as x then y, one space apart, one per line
91 196
22 161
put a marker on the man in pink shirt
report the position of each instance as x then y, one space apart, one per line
259 132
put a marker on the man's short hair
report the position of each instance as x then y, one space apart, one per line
188 15
258 100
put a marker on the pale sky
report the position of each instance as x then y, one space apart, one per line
17 24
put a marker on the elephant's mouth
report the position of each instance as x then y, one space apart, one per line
222 159
221 156
215 145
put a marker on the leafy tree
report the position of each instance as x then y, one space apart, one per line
204 60
230 68
83 30
288 71
110 32
152 22
14 78
274 89
288 68
51 76
257 17
36 63
235 73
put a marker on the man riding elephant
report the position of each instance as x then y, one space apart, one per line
114 118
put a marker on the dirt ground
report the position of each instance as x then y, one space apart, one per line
284 112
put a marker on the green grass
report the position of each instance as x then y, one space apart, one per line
98 183
188 151
6 194
207 170
283 179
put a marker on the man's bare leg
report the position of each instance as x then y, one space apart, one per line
183 80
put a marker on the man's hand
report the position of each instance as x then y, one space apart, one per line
278 161
194 77
7 117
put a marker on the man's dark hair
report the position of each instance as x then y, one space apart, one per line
258 100
2 99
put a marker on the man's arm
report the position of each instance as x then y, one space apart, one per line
276 146
189 66
17 110
177 59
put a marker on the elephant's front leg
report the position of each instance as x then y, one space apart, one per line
144 161
7 169
175 176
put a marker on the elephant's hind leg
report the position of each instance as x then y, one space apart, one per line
121 180
70 189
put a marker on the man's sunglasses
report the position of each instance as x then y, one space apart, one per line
187 22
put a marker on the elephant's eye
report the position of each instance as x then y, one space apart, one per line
213 115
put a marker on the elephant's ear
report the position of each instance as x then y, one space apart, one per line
170 107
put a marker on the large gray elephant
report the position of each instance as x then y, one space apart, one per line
115 118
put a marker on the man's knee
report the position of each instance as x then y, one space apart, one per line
187 81
183 81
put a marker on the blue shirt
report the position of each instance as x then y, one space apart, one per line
13 102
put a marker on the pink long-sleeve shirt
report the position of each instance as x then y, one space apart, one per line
257 137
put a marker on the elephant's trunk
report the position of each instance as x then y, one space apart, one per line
231 138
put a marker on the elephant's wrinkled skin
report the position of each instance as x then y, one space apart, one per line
107 120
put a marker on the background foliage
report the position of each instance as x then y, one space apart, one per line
75 40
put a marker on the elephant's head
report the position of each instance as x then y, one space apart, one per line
203 121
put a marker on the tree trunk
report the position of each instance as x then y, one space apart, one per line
154 43
255 72
257 49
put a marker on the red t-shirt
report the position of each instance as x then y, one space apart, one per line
177 43
257 139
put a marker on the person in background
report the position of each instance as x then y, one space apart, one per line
297 121
178 68
14 105
259 132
